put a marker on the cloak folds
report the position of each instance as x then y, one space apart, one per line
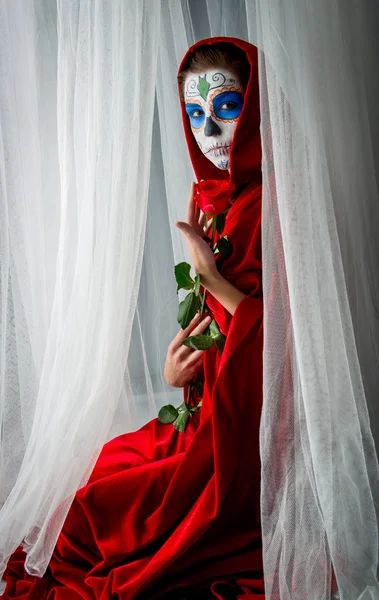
172 515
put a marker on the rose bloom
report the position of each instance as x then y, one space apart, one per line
213 195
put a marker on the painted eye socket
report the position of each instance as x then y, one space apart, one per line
228 105
196 115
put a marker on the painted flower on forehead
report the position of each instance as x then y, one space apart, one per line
203 87
213 196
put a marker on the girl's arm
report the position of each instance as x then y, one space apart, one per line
224 291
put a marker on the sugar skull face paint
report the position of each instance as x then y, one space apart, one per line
214 101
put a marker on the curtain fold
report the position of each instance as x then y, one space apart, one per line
320 212
94 172
72 244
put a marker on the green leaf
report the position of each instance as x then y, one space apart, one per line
193 409
182 276
200 301
203 87
224 247
220 342
220 222
199 387
182 420
187 310
167 414
213 329
197 284
198 342
214 220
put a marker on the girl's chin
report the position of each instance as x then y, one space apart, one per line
222 163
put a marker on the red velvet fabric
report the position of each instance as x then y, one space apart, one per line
172 515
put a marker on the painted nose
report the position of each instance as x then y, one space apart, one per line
211 128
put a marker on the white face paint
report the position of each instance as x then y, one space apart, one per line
214 100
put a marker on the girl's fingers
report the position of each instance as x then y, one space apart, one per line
184 351
200 221
196 212
183 333
202 325
195 358
209 225
190 205
196 209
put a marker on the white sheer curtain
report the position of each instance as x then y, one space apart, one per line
77 99
88 245
320 484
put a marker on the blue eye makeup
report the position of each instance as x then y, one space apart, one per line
227 105
196 115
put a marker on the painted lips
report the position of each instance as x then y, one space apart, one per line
218 150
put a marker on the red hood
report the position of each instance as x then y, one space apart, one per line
246 151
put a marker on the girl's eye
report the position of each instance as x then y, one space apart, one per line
228 105
197 113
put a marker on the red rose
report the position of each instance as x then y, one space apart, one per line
213 195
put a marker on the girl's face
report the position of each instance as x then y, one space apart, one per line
214 101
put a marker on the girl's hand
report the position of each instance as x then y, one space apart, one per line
202 257
182 363
195 216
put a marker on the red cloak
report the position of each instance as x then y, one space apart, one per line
172 515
